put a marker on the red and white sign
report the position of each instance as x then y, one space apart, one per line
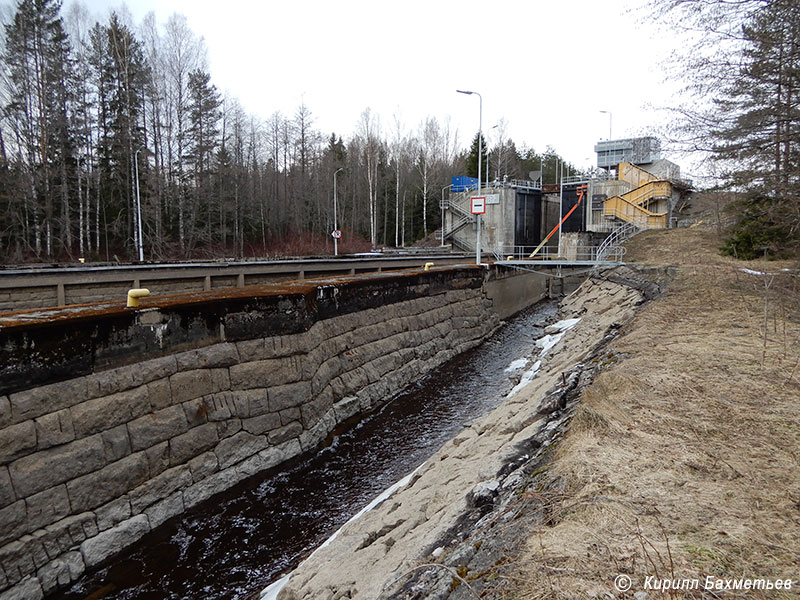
336 234
478 205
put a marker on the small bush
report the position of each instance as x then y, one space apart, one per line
762 230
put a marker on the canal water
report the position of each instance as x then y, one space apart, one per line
235 544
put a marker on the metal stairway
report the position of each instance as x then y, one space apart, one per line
632 207
461 216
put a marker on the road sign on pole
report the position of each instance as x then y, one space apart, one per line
478 205
336 234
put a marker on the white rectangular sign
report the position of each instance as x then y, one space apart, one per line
478 205
492 198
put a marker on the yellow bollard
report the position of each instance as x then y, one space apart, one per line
135 294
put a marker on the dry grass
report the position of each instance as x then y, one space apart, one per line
684 458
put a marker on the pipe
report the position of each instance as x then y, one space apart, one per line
135 294
428 266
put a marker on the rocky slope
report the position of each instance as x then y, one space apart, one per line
432 533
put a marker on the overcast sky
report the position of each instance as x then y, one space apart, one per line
546 68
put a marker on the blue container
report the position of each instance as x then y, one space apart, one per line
463 183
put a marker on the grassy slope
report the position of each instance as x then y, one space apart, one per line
684 457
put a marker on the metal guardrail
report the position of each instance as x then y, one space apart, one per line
551 253
613 243
600 176
515 183
39 287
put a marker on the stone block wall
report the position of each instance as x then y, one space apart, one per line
90 464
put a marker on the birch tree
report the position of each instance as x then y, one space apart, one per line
370 141
401 148
183 53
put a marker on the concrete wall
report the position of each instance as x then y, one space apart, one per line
512 291
497 231
143 429
577 245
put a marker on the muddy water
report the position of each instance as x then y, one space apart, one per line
235 544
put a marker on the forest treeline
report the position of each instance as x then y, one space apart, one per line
91 109
740 69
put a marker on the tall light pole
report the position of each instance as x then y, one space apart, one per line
335 221
139 242
608 112
480 172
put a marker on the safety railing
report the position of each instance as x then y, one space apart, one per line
649 191
456 225
612 245
515 183
461 215
551 253
596 176
632 213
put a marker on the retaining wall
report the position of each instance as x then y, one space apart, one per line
115 419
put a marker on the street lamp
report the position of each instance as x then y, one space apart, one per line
139 242
480 153
608 112
335 221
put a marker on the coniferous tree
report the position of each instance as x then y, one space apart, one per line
203 134
37 54
760 142
471 161
742 110
127 76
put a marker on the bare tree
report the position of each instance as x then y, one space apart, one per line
369 134
183 53
401 151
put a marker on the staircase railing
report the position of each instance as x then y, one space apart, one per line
633 213
648 191
612 245
461 215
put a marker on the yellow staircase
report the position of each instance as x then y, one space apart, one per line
632 207
629 212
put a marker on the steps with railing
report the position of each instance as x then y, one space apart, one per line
632 206
629 212
612 243
652 190
461 215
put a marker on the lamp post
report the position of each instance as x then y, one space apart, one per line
442 207
139 242
480 153
608 112
335 221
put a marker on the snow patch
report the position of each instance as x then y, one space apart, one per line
516 365
527 377
547 342
566 324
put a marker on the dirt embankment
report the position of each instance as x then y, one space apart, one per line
683 460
